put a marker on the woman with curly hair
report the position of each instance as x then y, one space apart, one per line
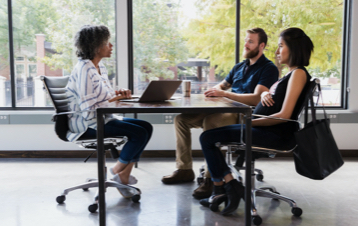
89 88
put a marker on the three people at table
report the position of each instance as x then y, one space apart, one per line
282 100
247 81
89 88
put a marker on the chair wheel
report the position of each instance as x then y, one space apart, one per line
60 199
93 208
296 211
256 220
135 198
214 207
259 177
85 189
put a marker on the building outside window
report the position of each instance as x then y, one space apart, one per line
32 72
196 40
43 32
20 71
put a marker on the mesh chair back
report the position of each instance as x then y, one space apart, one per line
310 91
56 88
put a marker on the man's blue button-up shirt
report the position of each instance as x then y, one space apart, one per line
245 77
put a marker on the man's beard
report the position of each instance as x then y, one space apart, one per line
252 53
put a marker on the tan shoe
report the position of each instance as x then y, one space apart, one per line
204 190
179 176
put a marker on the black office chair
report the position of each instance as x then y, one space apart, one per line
56 88
260 152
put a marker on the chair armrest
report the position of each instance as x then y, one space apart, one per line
271 117
72 112
68 113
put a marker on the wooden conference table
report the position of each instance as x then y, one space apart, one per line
197 103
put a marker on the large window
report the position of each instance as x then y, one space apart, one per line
322 21
181 39
196 40
42 34
5 88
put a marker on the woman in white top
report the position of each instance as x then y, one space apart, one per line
89 88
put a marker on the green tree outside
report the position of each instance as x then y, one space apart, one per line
213 34
157 41
69 17
59 21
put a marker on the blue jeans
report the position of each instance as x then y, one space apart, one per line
232 133
137 131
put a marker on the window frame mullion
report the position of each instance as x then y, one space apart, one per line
11 55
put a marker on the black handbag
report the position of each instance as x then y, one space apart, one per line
316 155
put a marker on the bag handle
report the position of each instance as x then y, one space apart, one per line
312 104
324 110
309 101
309 104
320 95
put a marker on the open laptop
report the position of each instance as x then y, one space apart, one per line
157 91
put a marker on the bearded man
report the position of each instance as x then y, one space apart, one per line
247 81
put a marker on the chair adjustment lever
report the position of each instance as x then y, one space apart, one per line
90 156
114 153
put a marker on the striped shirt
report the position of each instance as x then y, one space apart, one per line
87 90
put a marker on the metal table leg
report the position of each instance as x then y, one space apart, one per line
101 172
248 170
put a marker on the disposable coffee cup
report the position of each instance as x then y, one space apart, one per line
186 87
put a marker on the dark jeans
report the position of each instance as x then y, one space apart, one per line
137 131
232 133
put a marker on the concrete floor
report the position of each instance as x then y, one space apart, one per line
29 187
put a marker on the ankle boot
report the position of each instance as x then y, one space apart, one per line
218 191
234 191
216 201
